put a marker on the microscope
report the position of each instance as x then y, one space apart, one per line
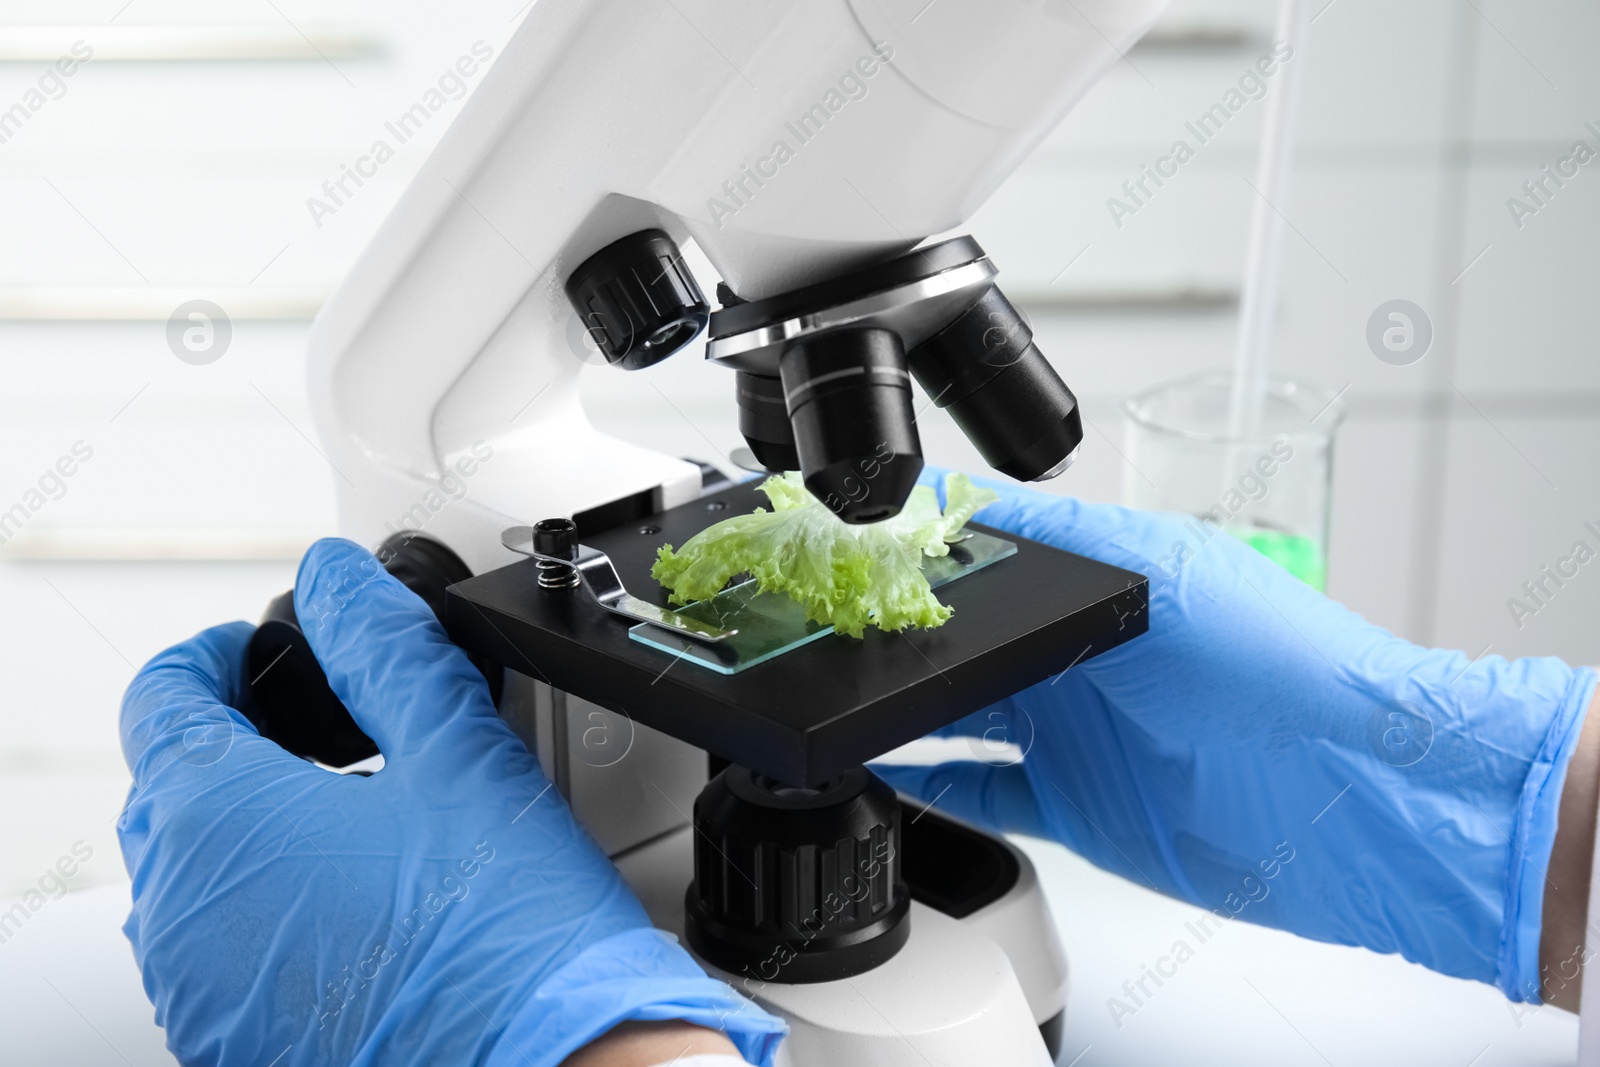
813 150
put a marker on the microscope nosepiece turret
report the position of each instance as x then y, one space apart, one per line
824 377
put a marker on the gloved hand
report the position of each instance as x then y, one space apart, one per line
447 909
1265 753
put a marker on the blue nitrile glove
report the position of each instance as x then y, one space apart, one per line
1265 753
447 909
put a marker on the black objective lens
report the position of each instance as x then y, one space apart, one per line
764 421
849 400
985 369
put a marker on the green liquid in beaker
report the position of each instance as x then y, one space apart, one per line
1299 555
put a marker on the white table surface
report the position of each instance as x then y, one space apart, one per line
69 992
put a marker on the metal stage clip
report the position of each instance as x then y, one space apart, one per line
554 543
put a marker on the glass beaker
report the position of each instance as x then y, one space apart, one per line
1270 488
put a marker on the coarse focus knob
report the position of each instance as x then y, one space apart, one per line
637 300
292 702
797 885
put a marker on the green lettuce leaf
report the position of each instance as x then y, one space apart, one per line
843 575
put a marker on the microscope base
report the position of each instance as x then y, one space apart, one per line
983 989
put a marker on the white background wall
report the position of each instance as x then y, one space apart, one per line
154 181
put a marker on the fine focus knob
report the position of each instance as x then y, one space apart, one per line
797 885
637 300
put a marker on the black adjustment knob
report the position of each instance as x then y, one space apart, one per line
637 300
556 537
291 702
797 885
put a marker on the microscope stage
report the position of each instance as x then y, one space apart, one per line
825 706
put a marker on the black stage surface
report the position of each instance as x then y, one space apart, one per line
817 710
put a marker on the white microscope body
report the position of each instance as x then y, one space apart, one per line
791 140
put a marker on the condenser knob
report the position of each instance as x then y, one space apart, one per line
797 885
